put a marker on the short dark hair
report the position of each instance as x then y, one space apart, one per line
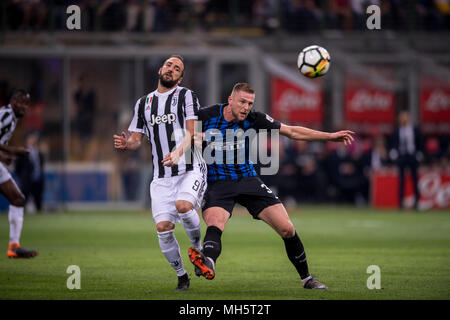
243 86
19 92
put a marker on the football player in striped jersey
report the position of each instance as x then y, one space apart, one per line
9 115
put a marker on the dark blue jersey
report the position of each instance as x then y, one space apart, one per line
226 148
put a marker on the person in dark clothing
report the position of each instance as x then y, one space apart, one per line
30 171
407 153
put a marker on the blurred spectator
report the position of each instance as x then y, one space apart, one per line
340 14
30 171
407 151
429 15
345 175
310 177
359 8
162 21
303 15
375 157
86 103
198 13
112 15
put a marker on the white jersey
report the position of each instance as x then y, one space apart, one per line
8 123
162 118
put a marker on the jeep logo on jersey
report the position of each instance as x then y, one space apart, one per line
165 118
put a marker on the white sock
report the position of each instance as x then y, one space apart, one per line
191 224
171 250
15 217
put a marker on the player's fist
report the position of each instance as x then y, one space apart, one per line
120 142
6 159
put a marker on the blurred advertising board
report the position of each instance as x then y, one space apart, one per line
434 105
366 105
294 104
434 189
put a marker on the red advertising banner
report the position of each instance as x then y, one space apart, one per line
296 105
434 189
434 105
365 103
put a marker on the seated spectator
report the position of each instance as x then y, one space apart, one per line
344 173
340 14
303 15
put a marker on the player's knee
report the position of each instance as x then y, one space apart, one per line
287 231
164 226
183 206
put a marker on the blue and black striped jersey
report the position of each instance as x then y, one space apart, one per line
226 148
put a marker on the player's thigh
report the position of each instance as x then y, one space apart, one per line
190 189
162 200
12 193
219 202
277 217
216 216
255 196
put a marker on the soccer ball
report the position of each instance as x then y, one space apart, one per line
313 61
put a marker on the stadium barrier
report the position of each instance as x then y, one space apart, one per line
434 189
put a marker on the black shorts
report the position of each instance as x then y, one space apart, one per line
251 193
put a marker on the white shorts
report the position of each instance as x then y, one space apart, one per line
190 186
4 173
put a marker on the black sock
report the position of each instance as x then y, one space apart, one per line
297 255
212 245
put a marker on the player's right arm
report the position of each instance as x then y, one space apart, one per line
131 143
136 129
18 151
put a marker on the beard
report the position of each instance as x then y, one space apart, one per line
167 83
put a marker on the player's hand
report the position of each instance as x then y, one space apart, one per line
171 159
198 139
345 136
19 151
7 159
120 142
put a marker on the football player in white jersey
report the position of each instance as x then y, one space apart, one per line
166 116
9 115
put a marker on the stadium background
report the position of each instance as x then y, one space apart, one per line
116 54
121 44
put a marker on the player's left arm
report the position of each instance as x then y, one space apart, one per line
302 133
172 158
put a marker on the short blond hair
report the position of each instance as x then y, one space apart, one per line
243 86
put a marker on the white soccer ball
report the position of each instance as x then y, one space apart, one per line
313 61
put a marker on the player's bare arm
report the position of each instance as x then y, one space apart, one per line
302 133
173 157
18 151
131 143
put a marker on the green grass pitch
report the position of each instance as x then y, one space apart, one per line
119 257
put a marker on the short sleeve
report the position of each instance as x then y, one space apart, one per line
136 124
264 121
192 105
